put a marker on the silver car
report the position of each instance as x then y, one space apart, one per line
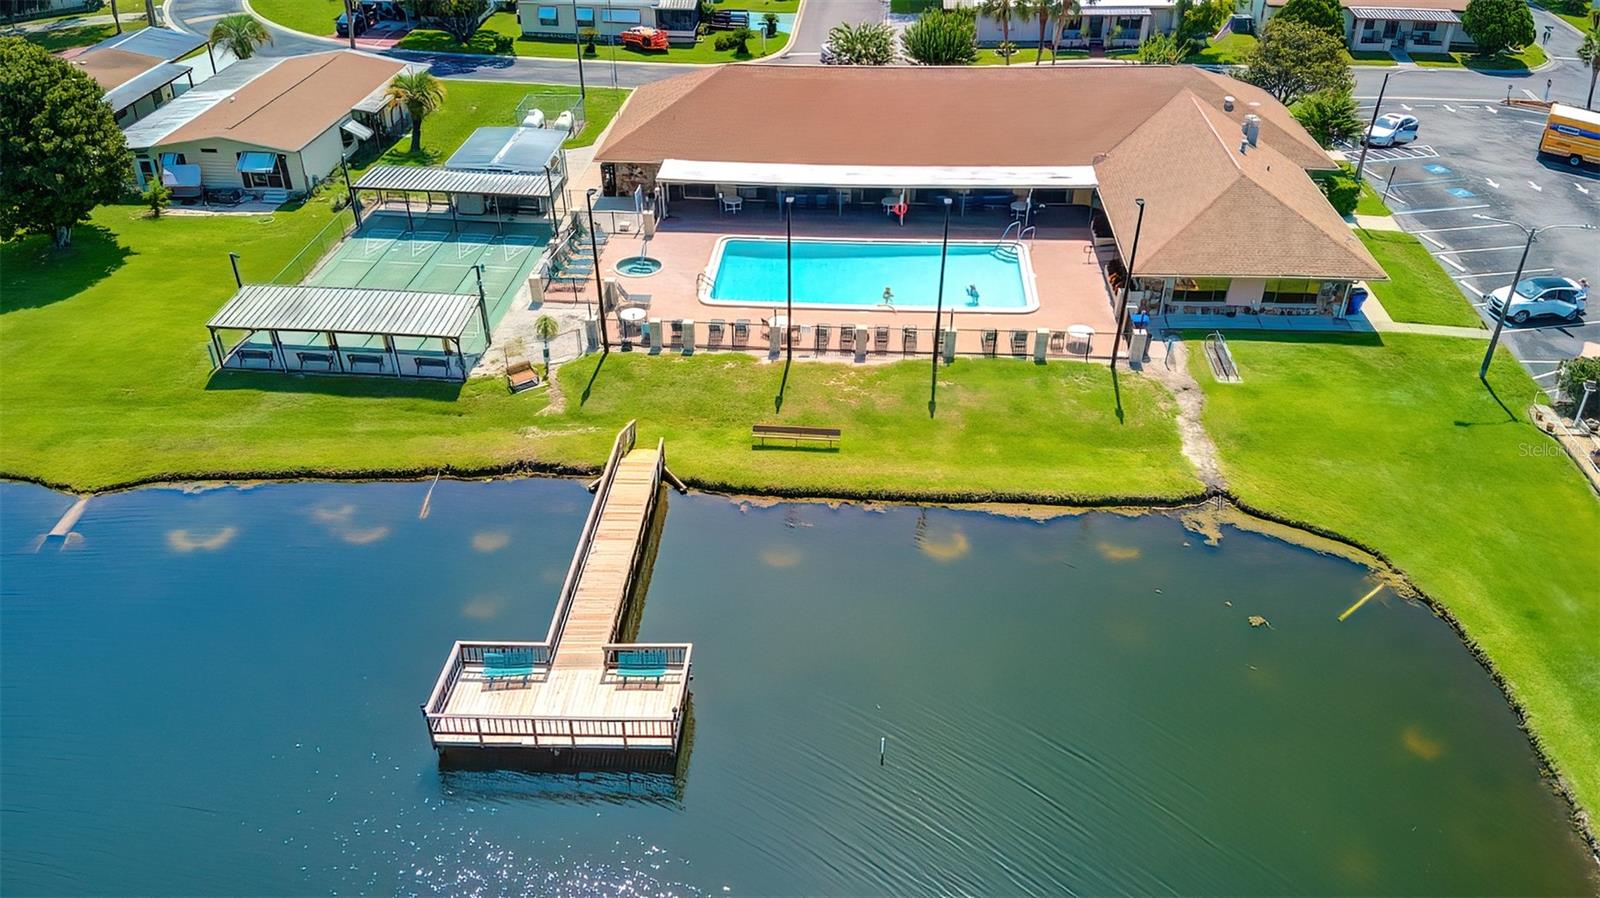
1558 297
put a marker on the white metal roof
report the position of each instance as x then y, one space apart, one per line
683 171
453 180
131 91
167 44
347 310
509 149
1404 13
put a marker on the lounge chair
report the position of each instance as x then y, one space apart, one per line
741 333
1019 342
521 376
908 340
714 333
990 339
880 339
847 339
823 333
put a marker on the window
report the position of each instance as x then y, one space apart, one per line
1291 291
1129 25
623 17
549 16
278 177
1201 291
208 149
585 16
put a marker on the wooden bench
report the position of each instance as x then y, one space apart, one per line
325 358
521 376
762 432
508 664
362 358
259 355
646 664
427 362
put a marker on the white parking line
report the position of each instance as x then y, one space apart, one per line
1535 186
1486 249
1460 228
1449 108
1431 240
1443 209
1450 262
1546 374
1581 188
1496 274
1491 110
1475 292
1531 94
1493 183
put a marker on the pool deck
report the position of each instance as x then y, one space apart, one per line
1071 288
574 697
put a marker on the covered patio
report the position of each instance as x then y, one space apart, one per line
341 330
465 196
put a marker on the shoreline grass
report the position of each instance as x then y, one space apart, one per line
1399 439
1418 290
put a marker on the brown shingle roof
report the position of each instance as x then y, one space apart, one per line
290 104
1222 212
113 68
914 115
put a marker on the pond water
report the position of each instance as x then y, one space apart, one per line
217 692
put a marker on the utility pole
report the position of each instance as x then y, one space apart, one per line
599 289
1127 284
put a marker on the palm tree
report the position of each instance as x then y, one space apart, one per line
421 94
241 33
546 329
1069 10
116 19
1045 10
1589 52
1004 10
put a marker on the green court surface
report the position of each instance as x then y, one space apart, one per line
384 255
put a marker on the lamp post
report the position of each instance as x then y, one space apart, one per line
1505 309
577 44
788 278
1127 284
594 250
1361 163
938 311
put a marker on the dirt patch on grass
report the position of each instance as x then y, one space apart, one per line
1172 372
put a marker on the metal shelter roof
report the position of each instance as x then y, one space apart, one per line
449 180
1405 13
508 149
163 43
347 310
796 175
129 92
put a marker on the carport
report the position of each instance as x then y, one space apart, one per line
339 330
474 194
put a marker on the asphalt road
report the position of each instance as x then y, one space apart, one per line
1476 157
818 17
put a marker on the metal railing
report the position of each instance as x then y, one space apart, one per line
558 732
621 446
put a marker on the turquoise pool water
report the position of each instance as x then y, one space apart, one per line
853 274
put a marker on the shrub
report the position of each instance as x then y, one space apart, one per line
502 43
870 43
1329 115
157 197
1341 189
1006 49
1160 49
771 21
589 36
942 37
736 40
1573 373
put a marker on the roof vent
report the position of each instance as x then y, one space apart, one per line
1251 129
1227 103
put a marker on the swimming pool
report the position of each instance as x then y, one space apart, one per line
852 274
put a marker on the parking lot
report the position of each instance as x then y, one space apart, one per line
1478 158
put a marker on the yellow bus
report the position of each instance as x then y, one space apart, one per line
1572 134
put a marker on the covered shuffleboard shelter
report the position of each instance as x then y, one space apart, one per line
347 330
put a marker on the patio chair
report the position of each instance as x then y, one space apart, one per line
847 339
1058 341
908 340
741 333
675 333
990 339
823 333
714 333
880 339
1019 343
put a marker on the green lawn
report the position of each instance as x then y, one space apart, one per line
1368 57
1233 49
310 16
1400 447
759 6
1418 290
1528 58
505 24
913 7
1582 23
68 36
136 288
470 105
1370 203
1025 56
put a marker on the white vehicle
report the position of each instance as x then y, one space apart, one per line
1559 297
1392 130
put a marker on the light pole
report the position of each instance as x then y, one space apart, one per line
788 279
938 311
578 46
1127 284
1505 308
1361 163
594 250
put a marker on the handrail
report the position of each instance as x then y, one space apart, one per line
1027 233
1007 232
1222 360
624 443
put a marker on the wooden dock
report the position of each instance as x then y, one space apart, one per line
574 699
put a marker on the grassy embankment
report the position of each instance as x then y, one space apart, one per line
1418 290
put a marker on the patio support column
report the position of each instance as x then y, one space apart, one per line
1449 35
483 306
1144 28
394 354
410 225
277 344
455 224
333 346
216 343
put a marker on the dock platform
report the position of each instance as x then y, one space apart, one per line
574 698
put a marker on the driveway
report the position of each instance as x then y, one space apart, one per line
818 17
197 16
1478 157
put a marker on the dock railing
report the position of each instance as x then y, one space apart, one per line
558 732
679 654
624 443
471 652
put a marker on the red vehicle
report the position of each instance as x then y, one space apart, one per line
640 37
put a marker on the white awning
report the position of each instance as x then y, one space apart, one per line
258 163
357 130
1128 12
1404 14
776 174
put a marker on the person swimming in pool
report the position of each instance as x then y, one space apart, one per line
972 294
